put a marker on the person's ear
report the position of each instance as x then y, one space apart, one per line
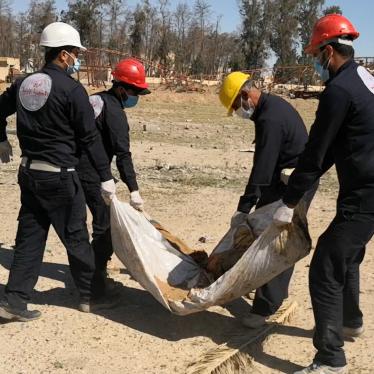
63 56
329 52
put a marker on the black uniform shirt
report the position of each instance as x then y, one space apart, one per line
63 126
114 130
280 138
343 133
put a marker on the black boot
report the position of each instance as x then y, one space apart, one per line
23 315
103 286
98 286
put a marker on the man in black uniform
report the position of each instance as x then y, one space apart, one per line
111 121
54 121
342 134
280 138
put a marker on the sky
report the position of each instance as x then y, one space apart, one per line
360 12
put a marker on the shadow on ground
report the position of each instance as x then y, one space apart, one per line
137 309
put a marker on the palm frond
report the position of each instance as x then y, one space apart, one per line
231 357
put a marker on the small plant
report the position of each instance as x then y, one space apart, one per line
58 365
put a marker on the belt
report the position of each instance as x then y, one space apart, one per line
43 166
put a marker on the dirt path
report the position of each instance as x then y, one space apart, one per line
191 174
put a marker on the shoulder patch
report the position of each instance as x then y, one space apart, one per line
366 77
34 91
97 104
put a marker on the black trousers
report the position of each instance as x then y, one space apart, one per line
101 236
334 282
49 199
271 295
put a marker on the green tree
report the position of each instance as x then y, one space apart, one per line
256 27
137 31
333 9
309 12
283 38
88 17
197 65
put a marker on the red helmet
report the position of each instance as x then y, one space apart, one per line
130 71
330 27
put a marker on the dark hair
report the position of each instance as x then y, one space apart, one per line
343 49
248 84
126 86
52 53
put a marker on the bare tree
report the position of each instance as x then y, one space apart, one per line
39 15
165 33
187 40
4 27
22 31
182 18
118 21
202 11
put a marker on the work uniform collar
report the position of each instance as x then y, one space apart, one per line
112 93
261 102
351 62
53 66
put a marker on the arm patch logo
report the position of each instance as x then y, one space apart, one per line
366 77
97 104
34 91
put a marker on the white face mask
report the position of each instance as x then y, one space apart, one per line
240 112
245 113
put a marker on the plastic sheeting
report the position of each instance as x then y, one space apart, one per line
182 285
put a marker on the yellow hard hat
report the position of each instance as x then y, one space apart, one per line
230 89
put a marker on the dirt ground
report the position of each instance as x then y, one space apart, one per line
191 173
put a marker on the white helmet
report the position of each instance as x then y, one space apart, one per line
58 34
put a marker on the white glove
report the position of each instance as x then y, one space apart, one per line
108 190
136 201
6 153
283 215
238 218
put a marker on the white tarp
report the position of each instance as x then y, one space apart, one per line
164 271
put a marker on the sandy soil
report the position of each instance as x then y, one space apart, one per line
191 173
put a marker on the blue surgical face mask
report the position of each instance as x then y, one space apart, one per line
71 69
130 102
322 69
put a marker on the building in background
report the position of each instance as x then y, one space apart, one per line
9 68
